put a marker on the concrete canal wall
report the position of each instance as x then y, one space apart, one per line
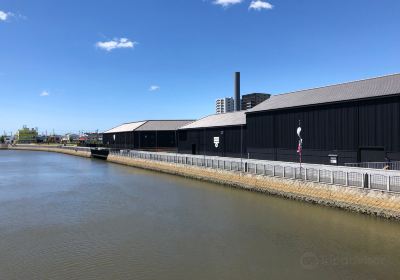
55 149
367 201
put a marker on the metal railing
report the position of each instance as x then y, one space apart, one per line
347 176
392 165
384 180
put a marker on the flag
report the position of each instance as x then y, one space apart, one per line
299 147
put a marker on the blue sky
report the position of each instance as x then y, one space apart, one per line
85 65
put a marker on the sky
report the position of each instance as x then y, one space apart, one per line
72 65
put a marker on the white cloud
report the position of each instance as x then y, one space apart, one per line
4 15
259 5
154 88
117 43
44 93
226 3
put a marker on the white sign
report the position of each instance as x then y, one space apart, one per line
216 142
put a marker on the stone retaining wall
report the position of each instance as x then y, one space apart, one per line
372 202
365 201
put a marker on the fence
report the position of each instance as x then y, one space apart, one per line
392 165
347 176
384 180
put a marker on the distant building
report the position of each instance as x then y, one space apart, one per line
90 139
26 135
41 139
94 138
224 105
54 138
8 139
70 138
251 100
158 135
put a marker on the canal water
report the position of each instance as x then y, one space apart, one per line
65 217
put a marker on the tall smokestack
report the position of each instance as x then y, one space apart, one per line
237 91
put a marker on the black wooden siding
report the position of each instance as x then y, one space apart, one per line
201 141
141 140
349 129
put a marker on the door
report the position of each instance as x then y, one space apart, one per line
375 154
193 149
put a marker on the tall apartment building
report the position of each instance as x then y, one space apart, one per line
224 105
251 100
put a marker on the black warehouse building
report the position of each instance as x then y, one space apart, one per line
215 135
158 135
357 121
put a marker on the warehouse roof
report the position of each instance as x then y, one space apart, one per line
125 127
374 87
227 119
163 125
150 125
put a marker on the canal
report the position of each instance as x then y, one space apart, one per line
65 217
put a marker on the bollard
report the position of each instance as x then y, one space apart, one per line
364 181
388 183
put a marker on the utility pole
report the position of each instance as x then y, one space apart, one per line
241 147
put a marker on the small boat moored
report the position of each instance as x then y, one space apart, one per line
99 153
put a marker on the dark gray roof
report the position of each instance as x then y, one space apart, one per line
163 125
227 119
374 87
150 125
125 127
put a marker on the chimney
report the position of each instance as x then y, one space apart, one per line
237 91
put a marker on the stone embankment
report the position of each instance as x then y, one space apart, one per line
372 202
52 149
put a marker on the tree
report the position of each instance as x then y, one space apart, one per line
2 140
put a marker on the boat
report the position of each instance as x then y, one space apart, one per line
99 153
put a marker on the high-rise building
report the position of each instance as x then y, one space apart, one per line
251 100
224 105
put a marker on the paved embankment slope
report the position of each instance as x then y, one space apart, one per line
365 201
372 202
53 149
